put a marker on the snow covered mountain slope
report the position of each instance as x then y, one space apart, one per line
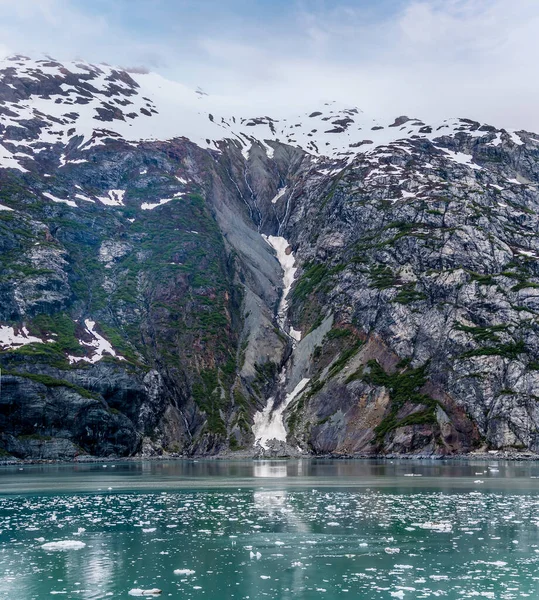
82 105
177 277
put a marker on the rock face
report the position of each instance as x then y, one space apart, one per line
141 306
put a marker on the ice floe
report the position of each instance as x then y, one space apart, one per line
63 545
184 572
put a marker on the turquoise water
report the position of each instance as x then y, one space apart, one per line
261 529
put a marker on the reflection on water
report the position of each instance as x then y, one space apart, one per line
270 469
184 474
272 529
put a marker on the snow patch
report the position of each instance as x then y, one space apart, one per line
528 253
85 198
76 161
286 259
60 200
151 206
515 138
295 334
113 198
8 160
101 345
462 159
280 193
268 423
10 339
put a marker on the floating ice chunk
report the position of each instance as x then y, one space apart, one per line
392 550
148 530
256 555
265 577
441 527
63 545
397 594
183 572
479 481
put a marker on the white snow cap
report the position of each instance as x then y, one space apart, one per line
147 106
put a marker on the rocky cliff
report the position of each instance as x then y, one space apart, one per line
175 280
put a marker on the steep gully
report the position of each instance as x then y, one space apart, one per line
268 423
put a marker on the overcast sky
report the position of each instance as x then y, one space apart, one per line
427 58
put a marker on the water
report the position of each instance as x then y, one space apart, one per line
282 530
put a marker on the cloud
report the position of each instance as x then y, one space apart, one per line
428 58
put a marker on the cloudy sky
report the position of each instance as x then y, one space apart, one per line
427 58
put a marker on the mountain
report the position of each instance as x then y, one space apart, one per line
176 279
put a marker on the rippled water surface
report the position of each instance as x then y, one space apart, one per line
261 529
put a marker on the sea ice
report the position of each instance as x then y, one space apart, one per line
183 572
63 545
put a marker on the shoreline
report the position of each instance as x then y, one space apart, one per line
504 455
